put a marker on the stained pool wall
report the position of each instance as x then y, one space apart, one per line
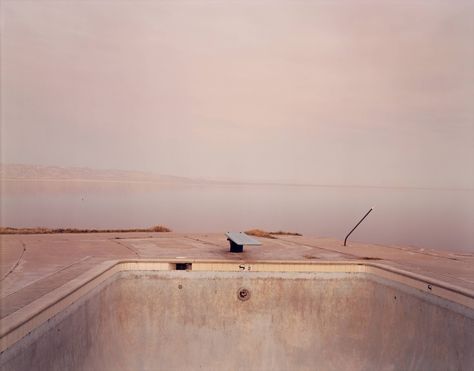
292 321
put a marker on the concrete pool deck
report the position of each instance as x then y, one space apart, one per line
34 265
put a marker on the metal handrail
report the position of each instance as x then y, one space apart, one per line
360 221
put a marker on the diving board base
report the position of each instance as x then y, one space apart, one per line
235 247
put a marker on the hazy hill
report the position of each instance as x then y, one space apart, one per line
44 173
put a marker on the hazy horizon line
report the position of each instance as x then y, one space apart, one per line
193 180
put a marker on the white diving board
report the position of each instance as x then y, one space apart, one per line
239 239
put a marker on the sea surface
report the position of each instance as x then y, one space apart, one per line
423 218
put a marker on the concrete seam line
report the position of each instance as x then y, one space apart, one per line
17 262
127 247
50 275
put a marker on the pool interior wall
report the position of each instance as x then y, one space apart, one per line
176 320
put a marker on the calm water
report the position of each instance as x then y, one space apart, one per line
439 219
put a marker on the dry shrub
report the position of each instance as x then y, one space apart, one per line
284 233
160 228
41 230
259 233
265 234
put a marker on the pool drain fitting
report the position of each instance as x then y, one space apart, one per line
243 294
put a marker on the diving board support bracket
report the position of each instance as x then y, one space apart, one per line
237 241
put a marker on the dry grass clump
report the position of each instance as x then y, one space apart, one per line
42 230
284 233
265 234
259 233
160 228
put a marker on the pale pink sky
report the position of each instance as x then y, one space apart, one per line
333 92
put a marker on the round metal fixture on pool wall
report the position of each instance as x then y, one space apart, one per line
243 294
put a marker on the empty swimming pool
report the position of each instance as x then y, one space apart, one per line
150 316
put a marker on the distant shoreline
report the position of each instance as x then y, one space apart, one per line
224 183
